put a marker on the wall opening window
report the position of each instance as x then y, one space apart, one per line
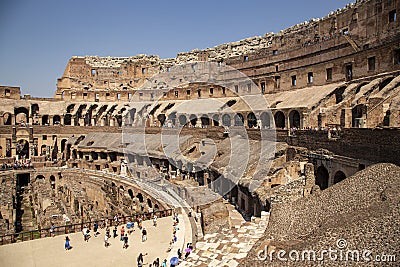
277 82
140 94
294 80
237 88
246 58
371 63
7 92
44 137
176 93
276 68
152 96
310 77
392 16
199 93
263 87
188 92
346 31
329 74
129 95
349 72
211 91
119 96
96 97
223 90
275 52
168 69
396 57
93 72
107 94
249 87
219 63
144 70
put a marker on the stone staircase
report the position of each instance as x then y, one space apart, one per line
229 246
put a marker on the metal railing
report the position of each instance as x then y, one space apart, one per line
73 228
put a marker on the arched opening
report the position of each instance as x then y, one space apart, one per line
52 181
359 115
39 177
251 120
172 118
386 119
140 197
149 204
43 150
67 119
279 120
205 120
130 192
193 120
7 118
63 142
94 155
45 119
294 119
121 187
161 118
22 149
265 120
339 176
182 120
226 120
322 177
267 205
56 119
34 109
156 207
215 119
70 108
239 120
21 115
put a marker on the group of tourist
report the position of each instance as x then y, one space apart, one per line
17 165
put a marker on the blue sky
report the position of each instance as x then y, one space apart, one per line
37 37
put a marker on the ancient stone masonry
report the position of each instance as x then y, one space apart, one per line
105 144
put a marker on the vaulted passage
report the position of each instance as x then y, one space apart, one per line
339 176
279 120
322 177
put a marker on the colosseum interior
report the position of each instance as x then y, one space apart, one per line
103 145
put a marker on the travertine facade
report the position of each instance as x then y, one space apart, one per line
323 79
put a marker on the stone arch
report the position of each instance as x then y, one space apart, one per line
45 119
172 117
215 119
52 181
239 119
322 177
56 119
161 118
193 120
359 115
130 193
294 119
251 120
21 115
34 109
279 119
338 177
22 148
63 142
265 120
39 177
226 120
140 197
7 118
149 204
205 120
182 120
67 119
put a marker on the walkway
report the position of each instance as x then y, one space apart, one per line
50 251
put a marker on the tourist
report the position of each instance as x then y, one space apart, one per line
108 232
95 228
140 259
174 239
126 245
122 233
52 230
164 264
155 220
85 232
156 263
67 245
179 254
115 232
144 235
106 243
